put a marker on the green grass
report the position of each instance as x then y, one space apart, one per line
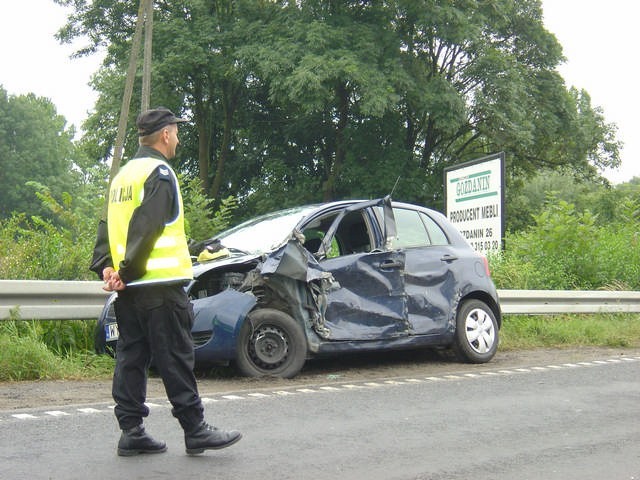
63 350
31 350
599 330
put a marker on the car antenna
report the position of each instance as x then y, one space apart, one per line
394 187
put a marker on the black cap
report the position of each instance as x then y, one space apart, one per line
153 120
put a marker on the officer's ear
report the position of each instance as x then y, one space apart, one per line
165 135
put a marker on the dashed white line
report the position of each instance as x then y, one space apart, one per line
346 386
88 410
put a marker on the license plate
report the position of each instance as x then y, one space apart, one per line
111 331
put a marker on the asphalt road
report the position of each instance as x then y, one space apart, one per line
572 420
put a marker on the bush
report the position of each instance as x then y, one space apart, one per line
32 248
201 222
569 250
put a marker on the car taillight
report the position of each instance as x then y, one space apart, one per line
486 265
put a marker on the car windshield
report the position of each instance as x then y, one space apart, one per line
265 233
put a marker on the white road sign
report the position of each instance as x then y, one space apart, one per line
474 193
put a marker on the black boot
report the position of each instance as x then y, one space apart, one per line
135 440
206 437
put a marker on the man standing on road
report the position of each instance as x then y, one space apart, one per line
141 252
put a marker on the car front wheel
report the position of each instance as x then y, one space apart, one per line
271 343
476 339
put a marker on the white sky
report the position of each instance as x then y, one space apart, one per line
599 39
32 61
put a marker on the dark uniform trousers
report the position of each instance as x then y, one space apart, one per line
154 322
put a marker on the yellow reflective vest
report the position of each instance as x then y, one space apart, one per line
169 260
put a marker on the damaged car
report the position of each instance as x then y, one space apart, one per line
335 278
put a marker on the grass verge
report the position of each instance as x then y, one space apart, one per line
32 350
64 350
596 330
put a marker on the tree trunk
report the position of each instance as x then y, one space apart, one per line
329 187
229 102
203 126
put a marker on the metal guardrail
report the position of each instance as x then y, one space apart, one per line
75 300
51 300
542 302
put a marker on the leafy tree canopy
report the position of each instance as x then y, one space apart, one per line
35 146
308 100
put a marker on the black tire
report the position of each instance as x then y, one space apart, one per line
271 343
476 338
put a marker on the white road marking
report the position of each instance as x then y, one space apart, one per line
336 388
24 416
57 413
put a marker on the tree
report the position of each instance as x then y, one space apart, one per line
35 146
317 99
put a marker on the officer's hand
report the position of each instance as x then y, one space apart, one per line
112 280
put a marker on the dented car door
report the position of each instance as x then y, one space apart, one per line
370 302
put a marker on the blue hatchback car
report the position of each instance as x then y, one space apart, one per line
335 278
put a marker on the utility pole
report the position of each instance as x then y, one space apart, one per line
146 65
145 7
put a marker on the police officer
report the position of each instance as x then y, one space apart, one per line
141 252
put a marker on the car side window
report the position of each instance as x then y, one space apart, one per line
410 230
436 234
315 233
416 229
352 236
313 240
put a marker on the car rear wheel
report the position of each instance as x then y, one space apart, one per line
271 343
476 339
